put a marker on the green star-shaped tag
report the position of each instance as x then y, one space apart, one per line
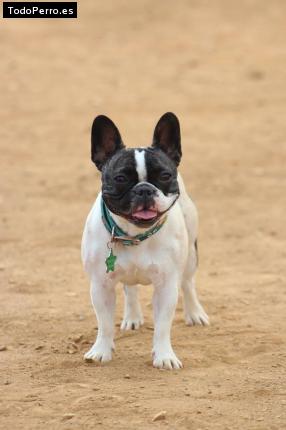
110 262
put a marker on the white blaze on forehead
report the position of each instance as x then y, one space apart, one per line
140 165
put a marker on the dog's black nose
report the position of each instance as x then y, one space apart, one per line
144 190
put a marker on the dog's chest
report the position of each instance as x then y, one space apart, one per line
136 264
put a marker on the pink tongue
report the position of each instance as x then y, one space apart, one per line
145 214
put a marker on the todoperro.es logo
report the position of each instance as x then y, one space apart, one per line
39 9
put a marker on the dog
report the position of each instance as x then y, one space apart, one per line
142 230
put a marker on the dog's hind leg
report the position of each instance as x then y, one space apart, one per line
194 312
133 317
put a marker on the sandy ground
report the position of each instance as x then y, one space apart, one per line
221 66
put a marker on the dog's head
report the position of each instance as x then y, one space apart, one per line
138 184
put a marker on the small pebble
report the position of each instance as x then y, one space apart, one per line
3 347
127 376
160 416
67 417
38 347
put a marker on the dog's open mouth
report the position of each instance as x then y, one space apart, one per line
145 214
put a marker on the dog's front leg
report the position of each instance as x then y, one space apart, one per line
103 300
164 304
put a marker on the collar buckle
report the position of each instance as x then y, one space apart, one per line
132 240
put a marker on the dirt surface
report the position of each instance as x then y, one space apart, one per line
221 67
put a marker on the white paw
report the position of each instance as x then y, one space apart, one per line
100 351
166 360
129 323
197 316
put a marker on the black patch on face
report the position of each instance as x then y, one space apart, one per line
161 171
119 176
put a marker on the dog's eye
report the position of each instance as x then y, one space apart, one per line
120 179
165 176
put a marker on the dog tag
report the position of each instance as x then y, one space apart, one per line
110 262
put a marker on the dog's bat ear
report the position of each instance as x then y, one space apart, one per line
167 136
105 140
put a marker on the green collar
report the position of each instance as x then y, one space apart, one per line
118 235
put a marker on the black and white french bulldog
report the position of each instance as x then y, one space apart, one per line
142 229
